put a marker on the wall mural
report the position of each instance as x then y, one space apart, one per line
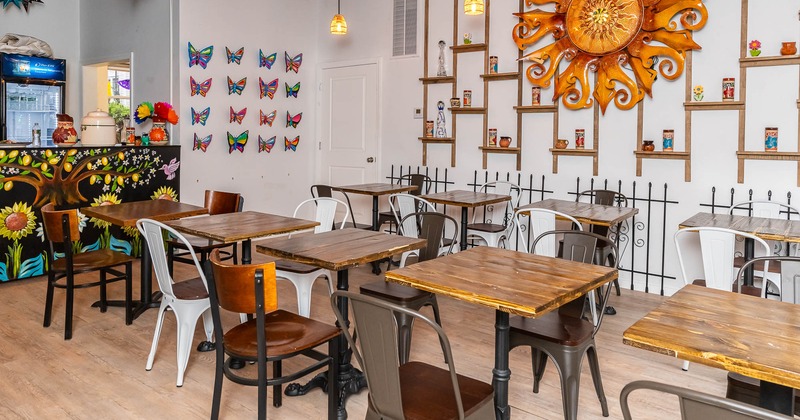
627 43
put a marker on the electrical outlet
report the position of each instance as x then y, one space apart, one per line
417 113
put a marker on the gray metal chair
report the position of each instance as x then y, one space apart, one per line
423 184
606 198
413 390
696 405
567 334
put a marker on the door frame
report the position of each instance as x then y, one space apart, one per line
378 125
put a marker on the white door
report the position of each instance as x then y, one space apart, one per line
349 129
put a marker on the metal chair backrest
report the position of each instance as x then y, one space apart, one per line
403 204
606 198
790 275
377 352
502 188
153 233
430 226
422 182
326 191
766 209
325 213
695 405
530 223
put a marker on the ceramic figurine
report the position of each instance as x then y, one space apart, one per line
698 93
442 69
441 130
771 139
467 38
755 47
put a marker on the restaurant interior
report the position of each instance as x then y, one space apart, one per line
569 190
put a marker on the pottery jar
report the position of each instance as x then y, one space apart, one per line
788 48
562 144
505 141
648 146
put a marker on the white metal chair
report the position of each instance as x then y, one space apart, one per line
402 205
706 254
531 223
188 299
496 229
304 275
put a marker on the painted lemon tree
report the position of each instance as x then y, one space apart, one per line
626 43
73 178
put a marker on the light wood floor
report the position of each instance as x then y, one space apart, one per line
100 372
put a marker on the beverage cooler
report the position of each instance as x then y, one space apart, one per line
31 92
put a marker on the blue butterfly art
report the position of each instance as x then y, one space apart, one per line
200 117
200 58
237 87
266 60
234 57
292 90
238 142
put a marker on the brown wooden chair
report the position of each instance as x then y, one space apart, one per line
423 184
217 202
273 336
567 334
413 390
61 230
430 226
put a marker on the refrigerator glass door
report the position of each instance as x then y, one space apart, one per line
28 104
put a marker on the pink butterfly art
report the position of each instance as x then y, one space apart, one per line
238 116
267 118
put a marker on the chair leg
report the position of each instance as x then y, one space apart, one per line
129 293
48 301
539 363
262 388
404 325
333 378
569 364
171 259
435 306
594 365
187 321
156 335
277 395
219 371
208 324
103 292
235 253
685 366
68 313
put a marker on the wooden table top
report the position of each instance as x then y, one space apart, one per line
380 188
593 214
126 214
739 333
509 281
765 228
240 226
339 249
464 198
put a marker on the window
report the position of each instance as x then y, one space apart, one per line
119 93
404 28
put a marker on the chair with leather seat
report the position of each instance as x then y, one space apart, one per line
187 299
606 198
273 335
497 221
217 202
413 390
423 184
567 334
695 405
302 275
430 226
61 231
745 388
320 190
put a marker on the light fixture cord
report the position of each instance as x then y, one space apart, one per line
338 7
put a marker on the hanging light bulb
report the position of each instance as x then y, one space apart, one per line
473 7
338 24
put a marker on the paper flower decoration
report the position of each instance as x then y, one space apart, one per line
755 47
160 112
698 93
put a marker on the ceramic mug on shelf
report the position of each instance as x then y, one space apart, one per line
505 141
562 144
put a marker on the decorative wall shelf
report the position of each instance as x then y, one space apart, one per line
500 76
469 47
661 155
780 60
468 110
713 106
769 155
574 152
536 109
437 79
436 139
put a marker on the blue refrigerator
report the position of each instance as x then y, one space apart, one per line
31 92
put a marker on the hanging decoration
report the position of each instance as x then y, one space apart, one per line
237 87
201 143
473 7
200 58
22 4
265 145
125 84
338 24
234 57
266 61
625 42
292 90
200 117
199 88
293 63
293 121
238 142
291 144
238 116
267 89
267 118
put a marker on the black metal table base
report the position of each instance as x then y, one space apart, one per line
777 398
350 382
138 307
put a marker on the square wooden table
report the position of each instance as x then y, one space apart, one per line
589 213
745 334
466 200
241 226
126 215
375 190
339 250
509 282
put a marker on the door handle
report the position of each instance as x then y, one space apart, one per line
370 159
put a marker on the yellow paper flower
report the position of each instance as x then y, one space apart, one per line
17 221
165 193
106 199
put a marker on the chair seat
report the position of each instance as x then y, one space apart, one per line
486 227
774 266
199 244
193 289
358 226
748 290
287 334
428 392
393 292
93 260
554 327
294 267
747 390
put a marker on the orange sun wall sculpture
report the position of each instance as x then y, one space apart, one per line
627 43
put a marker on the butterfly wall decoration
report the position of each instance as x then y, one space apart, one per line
291 144
201 143
267 89
234 57
238 142
266 118
237 87
293 63
22 4
293 120
265 145
292 90
171 168
200 58
266 60
200 117
199 88
238 116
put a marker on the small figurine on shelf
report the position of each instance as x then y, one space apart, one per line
698 93
442 69
755 47
441 130
467 38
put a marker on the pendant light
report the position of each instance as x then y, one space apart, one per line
473 7
338 24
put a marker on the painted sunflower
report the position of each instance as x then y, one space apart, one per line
165 193
17 221
106 199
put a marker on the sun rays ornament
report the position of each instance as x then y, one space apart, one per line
626 43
